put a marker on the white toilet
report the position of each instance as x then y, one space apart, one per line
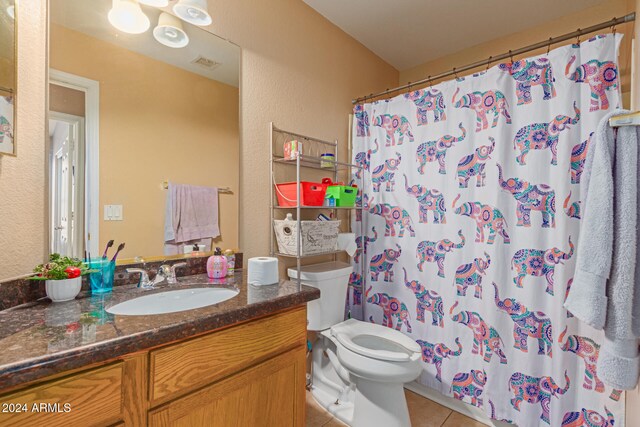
358 368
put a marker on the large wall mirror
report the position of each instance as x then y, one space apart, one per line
8 91
133 114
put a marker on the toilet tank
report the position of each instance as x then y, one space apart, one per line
332 278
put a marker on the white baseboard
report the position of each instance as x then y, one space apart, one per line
455 405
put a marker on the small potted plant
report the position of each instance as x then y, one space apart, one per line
63 277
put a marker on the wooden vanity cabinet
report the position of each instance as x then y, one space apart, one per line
251 374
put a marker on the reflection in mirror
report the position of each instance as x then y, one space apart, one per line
129 113
7 76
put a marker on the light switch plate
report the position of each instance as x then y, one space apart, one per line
113 213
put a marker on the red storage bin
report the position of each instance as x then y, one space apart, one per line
311 193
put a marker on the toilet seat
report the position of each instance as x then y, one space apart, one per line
375 341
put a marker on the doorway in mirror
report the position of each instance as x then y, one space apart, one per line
66 181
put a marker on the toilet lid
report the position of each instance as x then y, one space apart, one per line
375 341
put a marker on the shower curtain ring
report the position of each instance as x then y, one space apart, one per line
578 36
511 56
488 63
549 45
455 73
613 27
429 82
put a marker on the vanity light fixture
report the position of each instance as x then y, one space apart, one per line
127 16
169 31
11 11
193 11
155 3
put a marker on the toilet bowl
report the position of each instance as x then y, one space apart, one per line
358 368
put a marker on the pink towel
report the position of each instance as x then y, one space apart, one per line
191 213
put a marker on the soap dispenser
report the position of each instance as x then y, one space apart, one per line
217 265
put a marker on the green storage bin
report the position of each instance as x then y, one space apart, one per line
345 196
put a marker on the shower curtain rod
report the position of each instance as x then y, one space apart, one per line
552 40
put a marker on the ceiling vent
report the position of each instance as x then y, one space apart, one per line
207 63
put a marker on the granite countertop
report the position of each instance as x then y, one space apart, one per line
42 338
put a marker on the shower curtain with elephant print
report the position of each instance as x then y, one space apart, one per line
472 214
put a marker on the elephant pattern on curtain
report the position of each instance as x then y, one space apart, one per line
471 213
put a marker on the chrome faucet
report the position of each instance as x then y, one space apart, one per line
165 272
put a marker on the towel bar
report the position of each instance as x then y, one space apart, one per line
224 190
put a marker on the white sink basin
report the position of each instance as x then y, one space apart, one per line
172 301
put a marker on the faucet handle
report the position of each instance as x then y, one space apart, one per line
164 270
172 279
144 281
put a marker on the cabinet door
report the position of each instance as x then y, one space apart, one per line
87 398
190 365
269 394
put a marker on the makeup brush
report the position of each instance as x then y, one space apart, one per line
109 244
120 247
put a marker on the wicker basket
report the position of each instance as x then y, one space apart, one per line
317 236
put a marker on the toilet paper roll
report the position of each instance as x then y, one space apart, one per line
263 271
347 242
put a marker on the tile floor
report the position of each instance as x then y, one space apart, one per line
424 413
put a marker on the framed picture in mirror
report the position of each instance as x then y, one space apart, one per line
8 92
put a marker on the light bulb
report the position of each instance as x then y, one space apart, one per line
169 31
127 16
193 11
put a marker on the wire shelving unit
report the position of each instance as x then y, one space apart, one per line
313 148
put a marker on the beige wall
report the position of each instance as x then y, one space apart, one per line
22 179
557 27
157 122
299 71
